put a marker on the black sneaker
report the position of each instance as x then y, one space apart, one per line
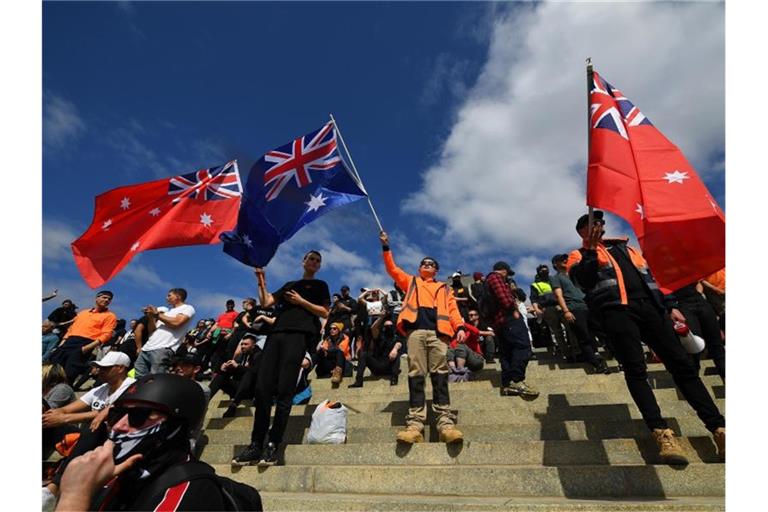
248 457
602 367
393 380
356 385
269 457
230 412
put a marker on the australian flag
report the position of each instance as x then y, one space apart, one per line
288 188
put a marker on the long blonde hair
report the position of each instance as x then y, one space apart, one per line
52 374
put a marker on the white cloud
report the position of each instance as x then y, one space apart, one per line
57 237
143 276
62 123
513 166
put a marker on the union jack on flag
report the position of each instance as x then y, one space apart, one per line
606 115
313 152
216 183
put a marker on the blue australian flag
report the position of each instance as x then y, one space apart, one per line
288 188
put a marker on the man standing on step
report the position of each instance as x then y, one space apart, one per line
511 332
428 320
619 285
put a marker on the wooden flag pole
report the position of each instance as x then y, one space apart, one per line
356 175
589 132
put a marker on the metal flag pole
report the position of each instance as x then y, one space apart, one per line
589 133
356 174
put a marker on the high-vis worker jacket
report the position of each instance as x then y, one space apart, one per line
424 294
597 273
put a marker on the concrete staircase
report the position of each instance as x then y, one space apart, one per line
581 445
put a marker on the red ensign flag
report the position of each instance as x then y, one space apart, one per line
191 209
638 174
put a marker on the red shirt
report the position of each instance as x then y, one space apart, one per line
472 340
226 320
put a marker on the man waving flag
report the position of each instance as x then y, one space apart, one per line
288 188
638 174
190 209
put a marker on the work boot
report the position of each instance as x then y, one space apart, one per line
410 435
520 389
449 435
719 437
336 375
670 450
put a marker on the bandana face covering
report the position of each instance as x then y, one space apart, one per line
143 441
426 274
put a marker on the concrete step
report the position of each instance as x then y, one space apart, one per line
504 411
297 501
521 481
238 432
513 452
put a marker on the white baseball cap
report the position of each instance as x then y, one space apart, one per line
113 359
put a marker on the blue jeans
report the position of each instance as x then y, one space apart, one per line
515 350
153 361
49 343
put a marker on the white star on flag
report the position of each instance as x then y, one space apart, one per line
676 177
247 241
106 225
135 246
125 203
639 210
316 202
714 204
206 220
154 212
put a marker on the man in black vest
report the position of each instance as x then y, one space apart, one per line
619 285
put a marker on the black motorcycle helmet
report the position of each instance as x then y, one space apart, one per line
176 396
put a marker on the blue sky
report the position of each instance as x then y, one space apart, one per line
466 122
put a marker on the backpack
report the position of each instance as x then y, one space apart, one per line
487 303
236 495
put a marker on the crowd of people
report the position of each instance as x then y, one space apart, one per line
601 297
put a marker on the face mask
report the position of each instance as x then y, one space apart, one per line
388 330
144 441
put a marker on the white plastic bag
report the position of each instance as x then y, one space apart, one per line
329 425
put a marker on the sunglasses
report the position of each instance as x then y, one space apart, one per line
137 416
429 264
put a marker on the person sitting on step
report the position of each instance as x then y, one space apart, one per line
333 353
382 354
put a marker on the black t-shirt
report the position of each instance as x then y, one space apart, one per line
633 281
291 317
351 304
261 328
61 315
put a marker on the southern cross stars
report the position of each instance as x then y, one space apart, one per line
135 246
247 240
639 210
154 212
315 203
676 177
106 225
206 220
125 203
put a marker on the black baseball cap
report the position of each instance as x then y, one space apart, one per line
584 219
503 265
344 287
192 358
542 267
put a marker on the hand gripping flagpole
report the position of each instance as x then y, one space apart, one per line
356 176
589 133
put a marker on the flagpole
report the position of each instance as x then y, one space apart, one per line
354 170
589 133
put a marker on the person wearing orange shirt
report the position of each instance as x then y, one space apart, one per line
90 329
428 320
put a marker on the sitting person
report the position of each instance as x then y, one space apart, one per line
467 355
332 354
57 393
382 354
485 335
50 338
230 374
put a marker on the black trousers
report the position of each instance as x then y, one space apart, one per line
640 320
702 321
488 345
226 382
70 356
579 331
378 365
328 360
278 374
515 350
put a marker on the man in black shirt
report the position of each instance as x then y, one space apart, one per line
619 285
62 317
347 306
461 293
382 355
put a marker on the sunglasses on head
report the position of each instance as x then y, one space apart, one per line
429 263
137 416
